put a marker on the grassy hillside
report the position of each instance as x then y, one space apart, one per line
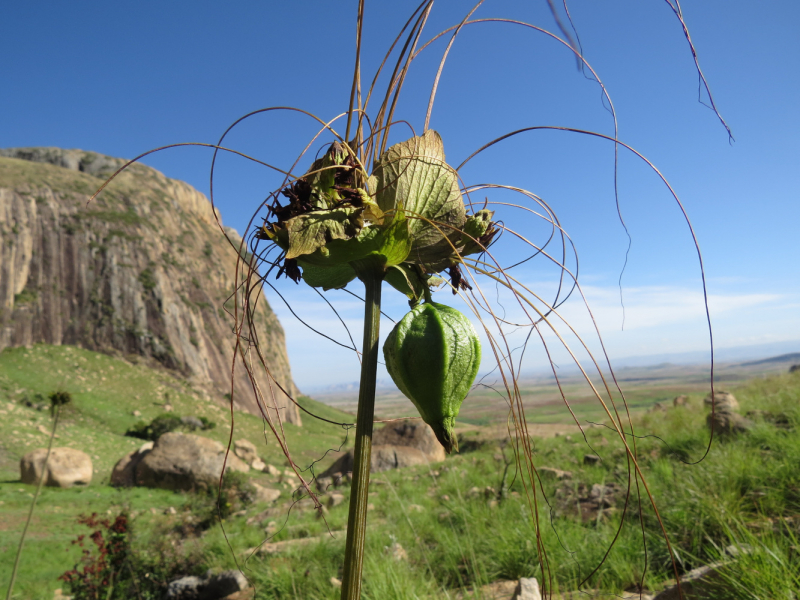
106 391
741 504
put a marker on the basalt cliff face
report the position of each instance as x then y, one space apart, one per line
143 270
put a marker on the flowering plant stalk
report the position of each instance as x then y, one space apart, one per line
399 213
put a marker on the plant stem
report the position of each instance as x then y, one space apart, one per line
359 489
57 410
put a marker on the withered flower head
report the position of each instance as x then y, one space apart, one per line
408 218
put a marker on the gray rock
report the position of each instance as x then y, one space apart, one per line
680 401
728 423
395 446
334 499
124 472
266 494
209 587
725 401
591 459
323 483
191 422
695 585
246 450
116 276
414 434
588 503
185 587
272 470
65 467
184 461
527 589
604 496
555 473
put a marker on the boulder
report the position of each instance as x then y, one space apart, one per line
258 464
414 434
334 499
395 446
680 401
183 461
246 450
552 472
208 587
384 458
192 423
266 494
725 401
727 423
65 467
591 459
696 584
323 483
124 472
527 589
588 503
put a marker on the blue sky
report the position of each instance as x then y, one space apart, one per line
124 78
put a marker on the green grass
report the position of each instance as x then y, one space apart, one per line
745 493
105 392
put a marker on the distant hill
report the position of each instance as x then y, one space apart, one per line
783 358
142 270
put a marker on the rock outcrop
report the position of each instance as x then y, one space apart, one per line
246 450
144 269
724 401
212 586
527 589
700 583
65 467
124 472
395 446
183 461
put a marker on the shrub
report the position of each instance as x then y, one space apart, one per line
98 572
156 428
206 423
165 423
237 493
119 568
148 279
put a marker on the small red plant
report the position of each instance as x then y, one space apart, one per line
94 576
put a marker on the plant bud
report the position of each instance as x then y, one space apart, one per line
433 355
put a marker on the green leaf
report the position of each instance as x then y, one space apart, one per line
333 277
414 174
396 239
313 230
405 280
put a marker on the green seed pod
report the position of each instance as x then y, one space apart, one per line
433 355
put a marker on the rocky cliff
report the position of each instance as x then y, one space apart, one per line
143 269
